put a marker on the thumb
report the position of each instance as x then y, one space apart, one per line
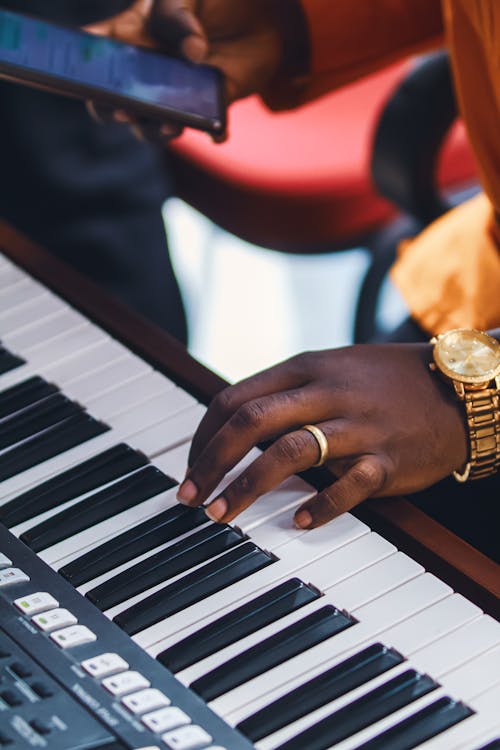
174 23
366 477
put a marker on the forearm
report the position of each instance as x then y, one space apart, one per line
347 40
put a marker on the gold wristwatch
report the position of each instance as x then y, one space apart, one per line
470 361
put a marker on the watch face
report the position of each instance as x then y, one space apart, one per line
468 356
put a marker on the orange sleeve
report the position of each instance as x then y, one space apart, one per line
449 273
351 38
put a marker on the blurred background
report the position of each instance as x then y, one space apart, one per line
281 305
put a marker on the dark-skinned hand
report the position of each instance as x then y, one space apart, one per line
393 428
239 37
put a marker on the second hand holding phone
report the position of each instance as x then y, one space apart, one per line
146 83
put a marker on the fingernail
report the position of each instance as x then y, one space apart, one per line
217 510
194 48
303 519
188 492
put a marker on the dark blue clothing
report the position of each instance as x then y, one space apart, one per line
91 194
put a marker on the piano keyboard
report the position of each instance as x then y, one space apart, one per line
294 640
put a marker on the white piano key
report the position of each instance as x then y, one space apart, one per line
347 529
134 423
374 618
23 293
171 432
21 318
10 275
290 494
47 359
69 549
28 340
479 674
82 366
459 647
174 462
433 624
343 563
128 394
429 626
105 380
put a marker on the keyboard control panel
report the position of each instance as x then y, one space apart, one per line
70 678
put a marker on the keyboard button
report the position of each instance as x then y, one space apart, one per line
194 587
40 726
187 738
160 529
178 558
104 665
77 635
327 687
10 698
36 603
249 618
85 477
98 507
149 699
126 682
166 719
42 690
21 670
57 618
4 561
11 576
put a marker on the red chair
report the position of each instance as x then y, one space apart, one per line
301 181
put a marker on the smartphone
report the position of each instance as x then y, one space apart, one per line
78 64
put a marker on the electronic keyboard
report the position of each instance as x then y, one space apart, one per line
128 621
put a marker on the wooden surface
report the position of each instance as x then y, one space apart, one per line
440 551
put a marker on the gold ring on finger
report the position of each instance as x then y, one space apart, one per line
321 440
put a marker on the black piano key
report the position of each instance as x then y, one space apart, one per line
95 508
24 394
326 687
194 587
494 745
252 616
85 477
413 731
36 419
9 361
361 713
73 431
160 529
278 648
199 547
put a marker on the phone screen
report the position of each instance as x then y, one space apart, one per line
99 63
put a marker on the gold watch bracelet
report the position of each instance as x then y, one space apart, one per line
482 410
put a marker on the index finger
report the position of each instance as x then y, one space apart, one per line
175 24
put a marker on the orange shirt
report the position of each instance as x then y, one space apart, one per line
450 274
